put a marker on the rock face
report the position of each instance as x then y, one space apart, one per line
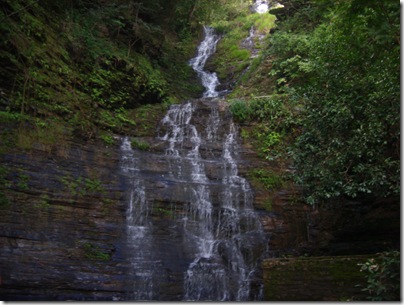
175 220
315 279
345 227
197 212
61 231
172 222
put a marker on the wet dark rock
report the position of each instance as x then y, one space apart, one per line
63 235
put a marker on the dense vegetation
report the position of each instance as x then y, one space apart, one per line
323 96
74 71
383 277
88 68
326 96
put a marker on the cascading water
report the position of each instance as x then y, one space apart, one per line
205 50
213 243
221 225
261 6
264 6
227 270
138 227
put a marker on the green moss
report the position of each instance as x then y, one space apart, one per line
313 279
164 212
82 186
4 184
49 134
23 181
95 253
140 144
44 201
268 205
85 68
107 138
263 23
4 201
231 59
270 180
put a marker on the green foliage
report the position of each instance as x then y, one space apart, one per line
288 66
108 139
383 277
10 117
240 110
95 253
271 139
81 186
79 62
231 57
344 73
270 180
136 143
4 184
278 110
268 205
275 120
44 201
23 181
328 97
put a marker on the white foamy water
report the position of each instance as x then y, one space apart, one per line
206 49
261 7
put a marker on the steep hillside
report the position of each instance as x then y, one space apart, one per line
86 64
324 94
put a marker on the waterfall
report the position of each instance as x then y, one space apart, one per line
138 227
210 245
206 49
227 273
221 224
264 6
261 6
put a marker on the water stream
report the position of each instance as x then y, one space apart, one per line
211 245
206 49
138 225
261 6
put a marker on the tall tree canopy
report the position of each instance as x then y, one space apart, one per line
346 75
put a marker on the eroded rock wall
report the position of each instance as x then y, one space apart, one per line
63 224
61 231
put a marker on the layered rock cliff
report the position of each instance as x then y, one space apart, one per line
64 217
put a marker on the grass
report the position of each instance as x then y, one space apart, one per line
231 58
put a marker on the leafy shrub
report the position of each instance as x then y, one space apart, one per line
240 110
275 123
383 277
